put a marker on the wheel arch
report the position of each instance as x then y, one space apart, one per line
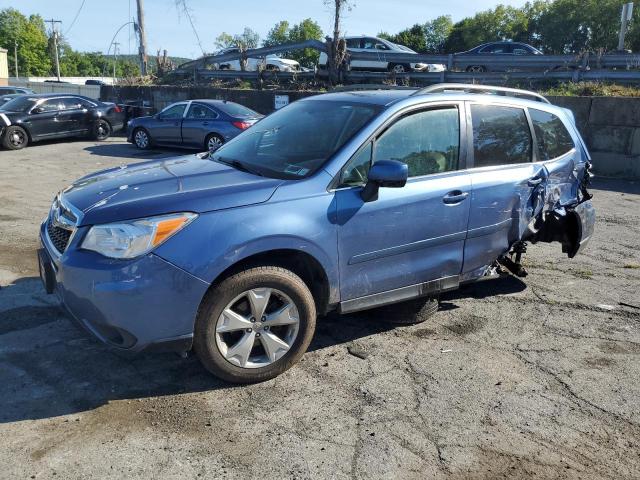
305 265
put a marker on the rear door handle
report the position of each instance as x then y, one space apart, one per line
534 181
456 196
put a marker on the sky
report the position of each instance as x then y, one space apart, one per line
169 29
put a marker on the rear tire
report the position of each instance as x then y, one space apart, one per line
232 339
476 68
102 130
399 68
410 312
213 142
15 138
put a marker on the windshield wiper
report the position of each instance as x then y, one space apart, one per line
238 165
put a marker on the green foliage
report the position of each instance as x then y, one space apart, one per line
436 33
592 89
244 41
307 29
36 53
30 33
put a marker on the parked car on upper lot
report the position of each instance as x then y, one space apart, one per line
498 48
32 118
16 90
373 44
202 124
343 201
270 62
94 82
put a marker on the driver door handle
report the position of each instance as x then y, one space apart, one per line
455 196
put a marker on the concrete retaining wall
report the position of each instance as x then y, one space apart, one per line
609 125
611 128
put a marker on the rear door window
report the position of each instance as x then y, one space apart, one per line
551 135
353 43
501 135
200 112
70 103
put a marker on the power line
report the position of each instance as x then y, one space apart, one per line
183 3
75 18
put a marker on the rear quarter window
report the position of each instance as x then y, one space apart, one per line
551 135
501 135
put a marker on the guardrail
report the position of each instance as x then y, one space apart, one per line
621 67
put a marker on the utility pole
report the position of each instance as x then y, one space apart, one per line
143 38
15 56
625 18
115 59
55 44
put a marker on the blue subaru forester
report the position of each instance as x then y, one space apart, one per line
343 201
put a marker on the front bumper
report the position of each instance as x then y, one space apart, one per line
142 304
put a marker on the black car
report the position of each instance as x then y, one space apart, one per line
32 118
18 90
498 48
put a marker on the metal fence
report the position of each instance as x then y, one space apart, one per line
91 91
611 67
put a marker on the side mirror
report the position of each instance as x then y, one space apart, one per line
38 110
384 173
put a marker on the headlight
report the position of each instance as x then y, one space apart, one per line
136 237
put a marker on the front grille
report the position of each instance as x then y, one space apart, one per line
59 236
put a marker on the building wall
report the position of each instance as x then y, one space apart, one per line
4 67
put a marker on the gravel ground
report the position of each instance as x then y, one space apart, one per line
510 379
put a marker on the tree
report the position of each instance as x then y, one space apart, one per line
32 42
336 46
278 35
436 33
305 30
224 40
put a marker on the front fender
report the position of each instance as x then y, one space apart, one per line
218 240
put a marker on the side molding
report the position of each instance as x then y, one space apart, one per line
400 294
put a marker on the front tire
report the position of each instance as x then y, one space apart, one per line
102 130
141 138
255 325
15 138
476 69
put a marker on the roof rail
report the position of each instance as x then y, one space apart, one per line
469 88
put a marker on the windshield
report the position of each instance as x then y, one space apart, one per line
293 142
19 104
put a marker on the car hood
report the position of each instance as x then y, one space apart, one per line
181 184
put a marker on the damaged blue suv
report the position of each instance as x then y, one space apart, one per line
343 201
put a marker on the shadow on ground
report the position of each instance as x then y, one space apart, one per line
126 150
48 367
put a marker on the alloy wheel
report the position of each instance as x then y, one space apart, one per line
142 139
17 138
103 130
257 328
214 143
398 69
